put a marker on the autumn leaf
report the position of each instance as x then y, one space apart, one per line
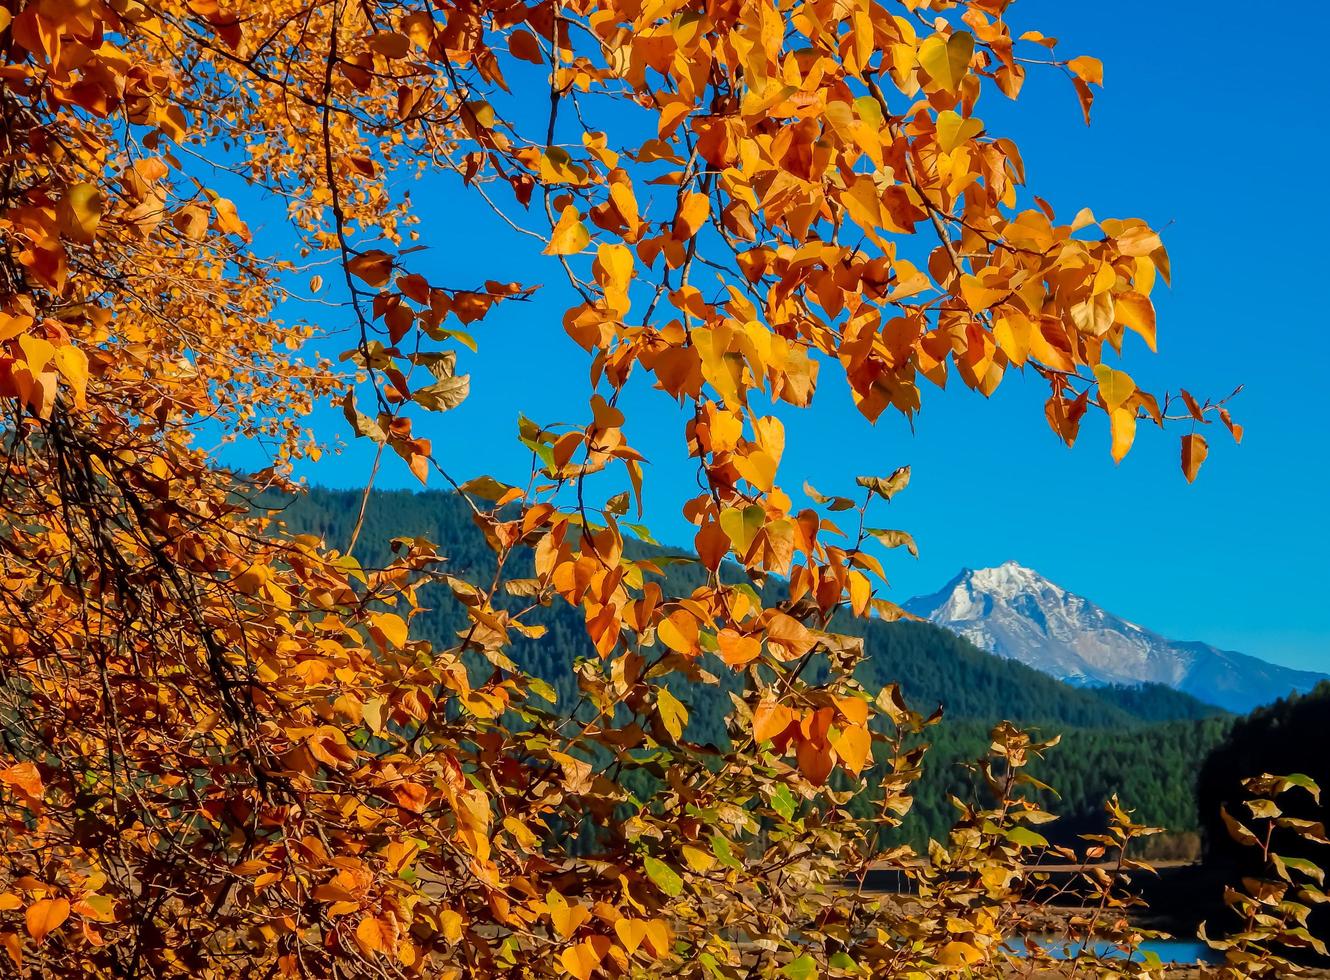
80 212
889 487
673 715
374 267
853 747
1194 451
947 59
1122 424
44 916
737 649
894 539
581 960
769 720
570 236
1115 387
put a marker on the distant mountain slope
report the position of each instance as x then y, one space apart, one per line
1152 737
932 665
1017 613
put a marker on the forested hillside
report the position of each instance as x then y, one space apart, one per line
1145 743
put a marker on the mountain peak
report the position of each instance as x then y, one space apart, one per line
1015 612
1010 578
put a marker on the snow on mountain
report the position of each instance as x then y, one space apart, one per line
1015 612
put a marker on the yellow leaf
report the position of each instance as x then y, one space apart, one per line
678 631
742 527
631 932
228 221
451 921
673 714
580 960
97 908
958 954
698 859
45 916
953 130
80 212
854 747
1122 424
391 625
1194 451
861 590
693 211
947 60
758 468
658 936
72 364
567 917
1137 312
978 296
614 265
570 236
1012 334
1115 387
1087 69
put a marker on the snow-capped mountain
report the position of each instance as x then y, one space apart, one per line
1015 612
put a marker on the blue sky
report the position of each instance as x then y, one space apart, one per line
1185 135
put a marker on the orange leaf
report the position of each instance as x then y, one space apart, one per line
769 720
815 761
1090 69
737 649
1194 451
570 236
376 935
45 916
693 211
581 960
24 777
374 266
523 45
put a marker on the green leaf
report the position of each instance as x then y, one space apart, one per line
804 968
724 853
1306 782
1025 837
664 877
843 961
782 801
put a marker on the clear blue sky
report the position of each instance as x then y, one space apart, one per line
1207 127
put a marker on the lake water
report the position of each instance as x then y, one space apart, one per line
1168 950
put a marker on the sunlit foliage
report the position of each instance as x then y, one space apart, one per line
222 752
